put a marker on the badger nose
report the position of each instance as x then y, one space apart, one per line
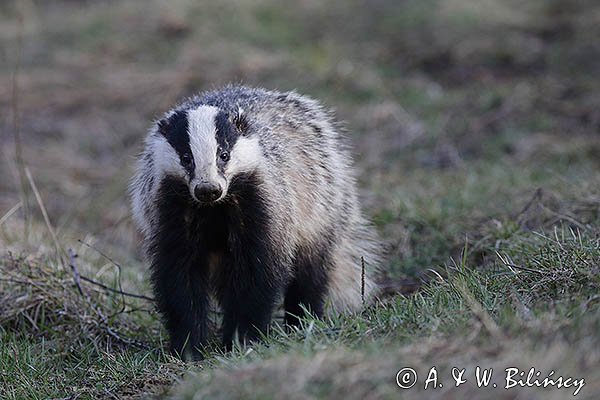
207 192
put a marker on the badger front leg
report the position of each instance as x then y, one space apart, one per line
250 295
181 294
179 278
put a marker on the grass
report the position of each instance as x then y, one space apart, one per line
475 133
517 307
539 295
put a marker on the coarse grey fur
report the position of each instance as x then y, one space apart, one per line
305 172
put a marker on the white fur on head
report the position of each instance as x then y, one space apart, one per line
246 156
165 157
203 143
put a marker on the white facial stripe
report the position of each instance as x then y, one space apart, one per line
203 143
245 156
166 158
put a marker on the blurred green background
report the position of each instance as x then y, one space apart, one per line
501 87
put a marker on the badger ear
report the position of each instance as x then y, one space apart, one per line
240 121
162 125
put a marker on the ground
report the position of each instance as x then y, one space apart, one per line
475 127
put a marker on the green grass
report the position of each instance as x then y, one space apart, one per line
521 305
29 370
475 132
541 291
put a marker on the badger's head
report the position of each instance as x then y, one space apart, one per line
205 148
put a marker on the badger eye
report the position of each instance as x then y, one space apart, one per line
186 160
224 156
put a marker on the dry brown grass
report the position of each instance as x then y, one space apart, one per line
42 299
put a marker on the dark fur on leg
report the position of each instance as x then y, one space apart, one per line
184 307
179 276
309 286
256 277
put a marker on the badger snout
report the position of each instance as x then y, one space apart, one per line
207 192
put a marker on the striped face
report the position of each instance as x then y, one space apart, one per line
205 147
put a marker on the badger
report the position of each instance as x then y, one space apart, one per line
248 197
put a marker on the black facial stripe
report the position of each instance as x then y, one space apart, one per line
175 130
226 134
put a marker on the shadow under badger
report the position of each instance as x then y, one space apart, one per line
248 195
